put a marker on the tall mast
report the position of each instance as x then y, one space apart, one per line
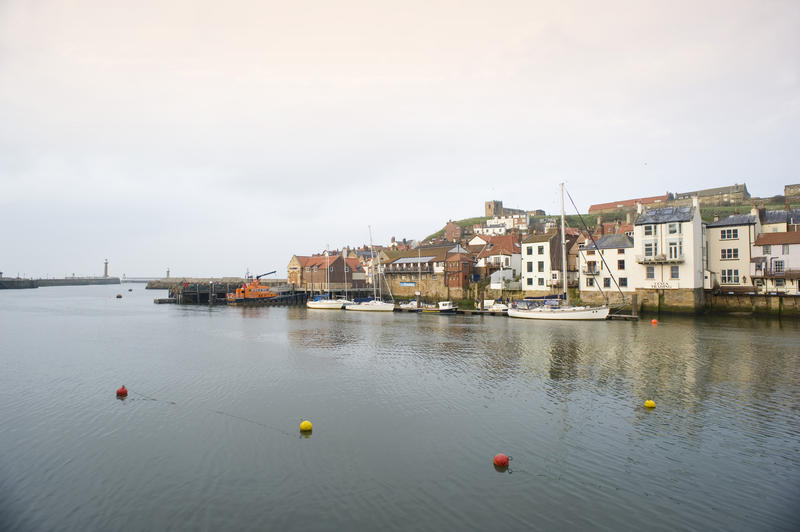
563 248
345 274
327 271
372 256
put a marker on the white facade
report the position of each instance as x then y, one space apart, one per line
609 267
537 269
668 244
776 263
491 230
729 244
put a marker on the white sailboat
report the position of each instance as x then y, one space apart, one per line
559 311
374 305
323 302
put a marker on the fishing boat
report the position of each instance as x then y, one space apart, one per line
410 305
375 304
442 307
252 292
556 309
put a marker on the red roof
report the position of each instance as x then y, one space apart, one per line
627 203
773 239
501 245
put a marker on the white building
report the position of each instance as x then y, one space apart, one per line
541 263
668 243
775 267
606 266
729 243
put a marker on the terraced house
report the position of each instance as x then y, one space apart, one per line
775 266
606 267
729 244
668 245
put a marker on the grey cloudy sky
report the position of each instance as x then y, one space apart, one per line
210 137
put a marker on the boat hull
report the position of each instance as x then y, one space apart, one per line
573 313
325 305
371 306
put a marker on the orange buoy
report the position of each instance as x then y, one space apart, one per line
654 321
122 392
501 460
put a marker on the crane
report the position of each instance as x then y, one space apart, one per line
265 274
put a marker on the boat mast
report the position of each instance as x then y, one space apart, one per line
372 256
563 249
345 274
327 271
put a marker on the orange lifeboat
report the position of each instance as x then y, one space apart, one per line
252 292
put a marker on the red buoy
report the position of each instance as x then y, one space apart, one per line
654 321
501 460
122 392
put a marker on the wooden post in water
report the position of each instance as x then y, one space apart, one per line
635 305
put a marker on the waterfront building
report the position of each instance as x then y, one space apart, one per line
729 244
419 270
541 264
775 266
500 253
309 272
606 266
669 251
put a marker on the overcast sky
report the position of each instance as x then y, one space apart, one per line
212 137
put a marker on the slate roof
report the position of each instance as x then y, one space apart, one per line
610 242
777 217
665 215
734 219
545 237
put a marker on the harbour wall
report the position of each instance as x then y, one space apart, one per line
68 281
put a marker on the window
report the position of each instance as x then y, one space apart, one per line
620 264
674 272
529 251
555 276
730 254
649 230
767 250
620 252
623 282
330 269
674 229
606 283
308 268
347 269
530 281
780 283
590 252
730 277
650 249
777 266
785 249
590 281
729 234
651 272
675 249
541 250
530 267
591 266
541 281
316 268
541 266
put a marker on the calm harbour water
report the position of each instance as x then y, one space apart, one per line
408 411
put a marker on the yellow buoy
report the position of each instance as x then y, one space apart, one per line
305 426
649 404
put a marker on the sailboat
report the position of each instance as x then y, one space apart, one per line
324 302
556 310
375 304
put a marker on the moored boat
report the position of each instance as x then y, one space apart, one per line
252 292
324 303
442 307
373 305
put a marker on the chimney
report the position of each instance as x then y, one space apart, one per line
638 207
695 201
716 217
787 206
599 220
628 217
754 211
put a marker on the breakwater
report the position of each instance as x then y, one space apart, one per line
67 281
